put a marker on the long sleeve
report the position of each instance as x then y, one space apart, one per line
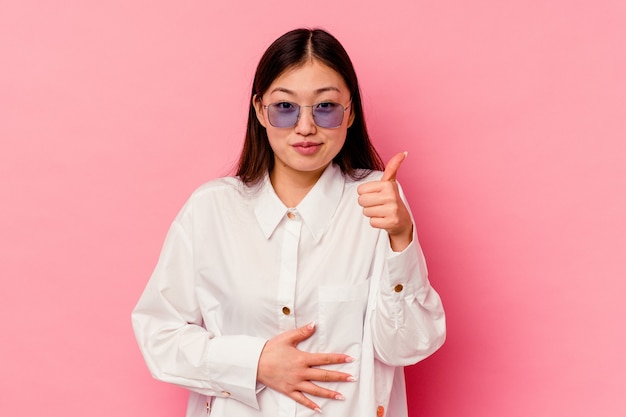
408 324
181 346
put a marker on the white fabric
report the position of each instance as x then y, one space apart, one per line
235 256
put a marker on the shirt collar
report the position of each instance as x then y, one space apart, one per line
316 208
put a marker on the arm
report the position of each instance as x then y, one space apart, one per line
409 322
177 345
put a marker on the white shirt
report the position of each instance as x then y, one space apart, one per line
238 267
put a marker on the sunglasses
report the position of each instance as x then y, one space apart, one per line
327 114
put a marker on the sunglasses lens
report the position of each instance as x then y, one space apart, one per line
283 114
328 115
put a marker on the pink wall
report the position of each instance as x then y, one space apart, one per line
514 116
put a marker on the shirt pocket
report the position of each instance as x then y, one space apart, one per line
341 317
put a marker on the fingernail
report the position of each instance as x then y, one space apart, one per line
349 359
311 325
339 397
318 410
351 379
406 153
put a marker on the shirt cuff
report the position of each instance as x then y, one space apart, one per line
407 272
233 363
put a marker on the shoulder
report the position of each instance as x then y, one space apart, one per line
219 194
218 186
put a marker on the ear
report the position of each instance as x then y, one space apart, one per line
258 107
351 118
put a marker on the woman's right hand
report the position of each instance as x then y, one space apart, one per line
286 369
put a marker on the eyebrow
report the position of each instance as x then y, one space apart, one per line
293 93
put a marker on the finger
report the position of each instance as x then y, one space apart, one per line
383 223
301 333
317 391
302 399
369 187
391 170
385 194
379 212
325 375
320 359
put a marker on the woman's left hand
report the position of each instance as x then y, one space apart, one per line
381 202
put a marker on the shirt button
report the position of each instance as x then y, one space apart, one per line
286 311
291 215
226 393
398 288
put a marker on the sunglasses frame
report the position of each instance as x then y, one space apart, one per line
345 108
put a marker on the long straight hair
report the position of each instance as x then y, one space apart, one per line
358 156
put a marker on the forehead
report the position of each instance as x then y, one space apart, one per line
310 78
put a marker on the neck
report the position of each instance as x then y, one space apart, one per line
292 186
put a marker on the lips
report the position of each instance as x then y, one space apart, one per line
306 148
305 144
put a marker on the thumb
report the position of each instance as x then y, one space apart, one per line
391 170
302 333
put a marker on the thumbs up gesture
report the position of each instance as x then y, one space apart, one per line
381 202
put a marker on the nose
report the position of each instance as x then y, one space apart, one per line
306 125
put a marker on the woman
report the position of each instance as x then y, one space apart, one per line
298 285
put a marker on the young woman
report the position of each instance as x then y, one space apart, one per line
297 285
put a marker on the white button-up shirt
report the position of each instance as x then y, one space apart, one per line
238 267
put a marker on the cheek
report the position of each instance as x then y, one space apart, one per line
276 138
340 137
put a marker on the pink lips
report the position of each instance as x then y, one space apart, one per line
306 148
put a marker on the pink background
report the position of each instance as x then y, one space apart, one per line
514 116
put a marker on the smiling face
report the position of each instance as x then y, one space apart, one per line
305 149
